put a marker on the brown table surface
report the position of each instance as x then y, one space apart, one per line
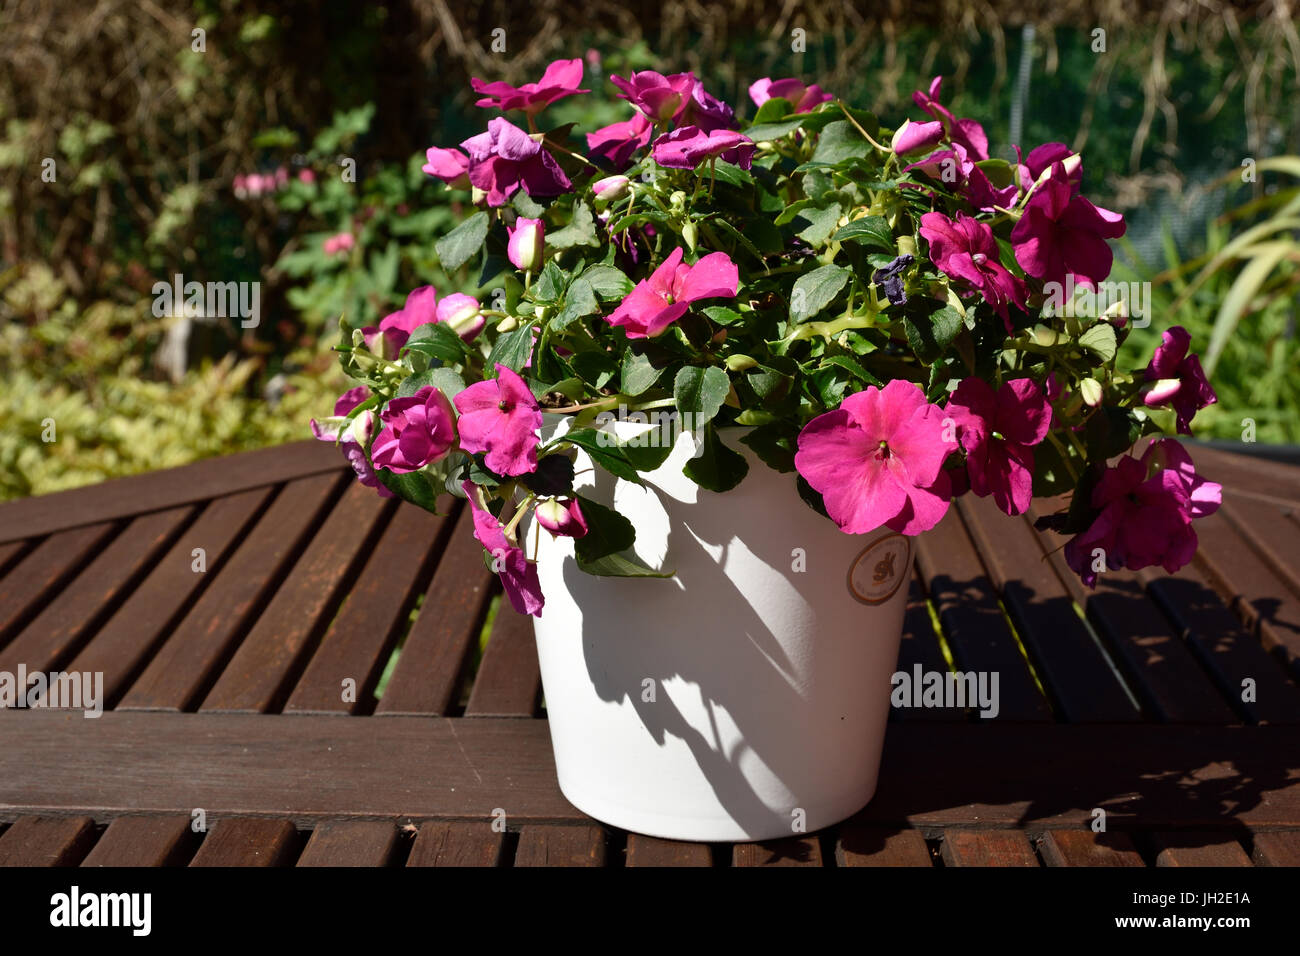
1169 702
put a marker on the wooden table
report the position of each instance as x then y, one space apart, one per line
228 604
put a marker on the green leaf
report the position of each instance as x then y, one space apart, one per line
773 444
526 206
458 246
513 348
581 230
620 566
929 335
722 315
550 284
822 221
413 486
871 231
638 373
718 468
815 290
606 451
852 367
554 476
608 282
608 531
730 174
437 341
773 109
443 379
1100 340
579 302
700 392
840 141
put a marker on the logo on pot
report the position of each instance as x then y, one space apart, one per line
880 569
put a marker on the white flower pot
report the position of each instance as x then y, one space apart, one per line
742 699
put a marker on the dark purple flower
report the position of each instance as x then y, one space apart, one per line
890 278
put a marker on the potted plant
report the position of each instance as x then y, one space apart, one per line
718 376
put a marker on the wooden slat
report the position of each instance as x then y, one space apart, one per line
1277 848
1272 531
561 846
356 645
60 630
457 843
36 579
920 646
649 851
240 841
987 848
350 843
169 488
1085 848
1067 659
46 841
122 646
973 624
258 676
1227 651
1198 849
862 845
1159 776
428 671
508 683
182 668
789 851
145 841
10 552
1247 475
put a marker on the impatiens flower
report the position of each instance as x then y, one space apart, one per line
332 429
1145 511
705 111
526 239
964 249
878 460
352 438
1041 159
661 98
688 146
618 141
505 158
961 132
663 298
339 243
956 169
500 417
562 78
890 278
1061 233
449 165
610 188
562 516
385 343
1177 378
420 308
912 137
998 431
462 314
518 575
804 98
417 431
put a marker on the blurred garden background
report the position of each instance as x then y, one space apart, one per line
282 142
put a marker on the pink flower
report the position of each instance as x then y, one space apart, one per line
505 158
351 439
998 431
618 141
449 165
962 132
1061 233
1145 511
341 242
804 98
705 111
664 298
688 146
526 242
661 98
1177 378
878 460
420 308
610 188
562 516
561 79
518 575
331 429
418 430
306 176
1042 158
462 314
500 417
913 137
966 251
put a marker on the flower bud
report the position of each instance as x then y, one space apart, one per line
690 232
461 313
1045 336
508 324
913 137
526 242
907 246
738 363
1091 391
562 517
610 188
362 426
1161 391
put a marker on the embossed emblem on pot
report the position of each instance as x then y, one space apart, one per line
880 569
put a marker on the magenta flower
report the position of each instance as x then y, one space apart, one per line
688 146
562 516
1043 158
662 299
331 429
913 137
500 417
352 438
518 575
526 241
1061 233
1177 378
417 431
661 98
505 158
1145 511
961 132
705 111
804 98
610 188
966 251
878 460
420 308
462 314
998 431
339 243
449 165
562 78
618 141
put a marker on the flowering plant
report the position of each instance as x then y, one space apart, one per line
876 312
